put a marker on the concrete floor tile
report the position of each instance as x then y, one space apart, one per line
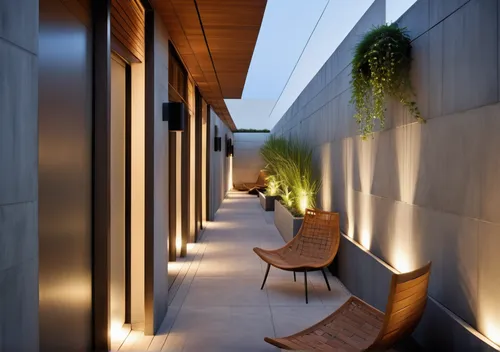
226 291
219 305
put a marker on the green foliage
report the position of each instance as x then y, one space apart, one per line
251 130
380 68
273 186
286 197
290 163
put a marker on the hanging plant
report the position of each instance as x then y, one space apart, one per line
381 68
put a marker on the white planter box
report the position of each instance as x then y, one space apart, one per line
285 222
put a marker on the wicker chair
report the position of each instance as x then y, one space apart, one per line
357 326
260 184
312 249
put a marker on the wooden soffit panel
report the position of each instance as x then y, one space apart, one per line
128 29
216 40
231 28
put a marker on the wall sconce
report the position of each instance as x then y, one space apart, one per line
217 144
175 114
229 148
217 140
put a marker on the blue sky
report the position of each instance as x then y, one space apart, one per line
286 27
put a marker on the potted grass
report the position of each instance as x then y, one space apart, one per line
290 163
268 197
286 219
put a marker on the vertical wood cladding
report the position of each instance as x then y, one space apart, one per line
127 27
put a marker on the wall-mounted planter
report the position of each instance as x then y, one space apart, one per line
267 202
285 222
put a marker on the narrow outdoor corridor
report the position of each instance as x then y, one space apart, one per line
216 303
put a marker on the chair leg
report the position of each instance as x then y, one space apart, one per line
294 277
305 282
265 277
326 279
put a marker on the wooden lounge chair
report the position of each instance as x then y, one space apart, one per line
357 326
312 249
260 184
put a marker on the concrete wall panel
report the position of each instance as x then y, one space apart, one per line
19 258
247 161
439 9
451 243
417 19
419 192
489 280
449 167
470 60
19 23
19 307
18 125
161 137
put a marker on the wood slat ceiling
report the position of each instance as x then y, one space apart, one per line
217 52
127 26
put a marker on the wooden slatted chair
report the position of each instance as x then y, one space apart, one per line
312 249
357 326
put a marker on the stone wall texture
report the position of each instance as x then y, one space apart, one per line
420 192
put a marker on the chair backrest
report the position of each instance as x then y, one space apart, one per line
319 236
405 306
261 180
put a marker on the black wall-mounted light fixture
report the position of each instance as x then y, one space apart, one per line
217 140
229 148
175 114
217 144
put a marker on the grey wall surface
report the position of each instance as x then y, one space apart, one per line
247 161
65 172
420 192
161 135
18 175
220 166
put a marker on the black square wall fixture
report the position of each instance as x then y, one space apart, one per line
229 147
175 114
217 144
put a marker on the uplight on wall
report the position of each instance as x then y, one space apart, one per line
492 331
118 332
178 243
303 202
402 261
366 239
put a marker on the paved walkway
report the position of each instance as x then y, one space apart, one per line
217 303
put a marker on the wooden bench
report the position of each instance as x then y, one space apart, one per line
357 326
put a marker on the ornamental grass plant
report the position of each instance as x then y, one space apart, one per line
289 163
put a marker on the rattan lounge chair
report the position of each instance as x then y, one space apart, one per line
260 184
312 249
357 326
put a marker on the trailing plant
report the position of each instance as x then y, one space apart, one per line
381 68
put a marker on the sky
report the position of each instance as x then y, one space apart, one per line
290 27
